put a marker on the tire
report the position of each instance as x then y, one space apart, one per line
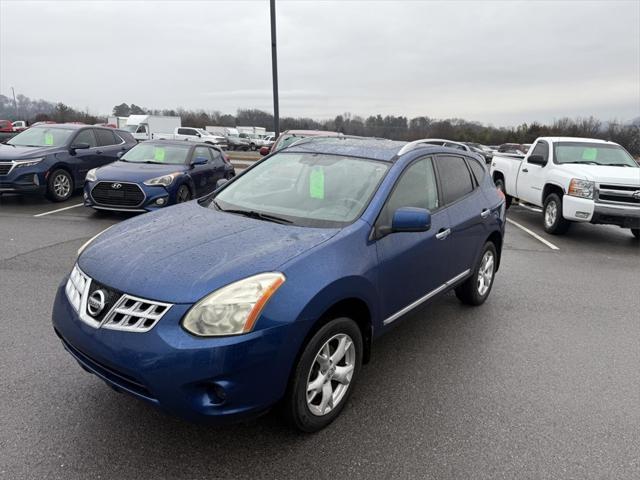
476 289
499 183
59 186
253 147
183 194
554 222
305 415
636 233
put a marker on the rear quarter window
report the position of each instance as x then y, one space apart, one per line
455 178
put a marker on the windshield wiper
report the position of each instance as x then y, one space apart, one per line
619 165
254 214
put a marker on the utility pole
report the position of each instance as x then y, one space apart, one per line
15 104
274 69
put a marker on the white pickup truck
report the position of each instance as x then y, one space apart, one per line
190 134
573 180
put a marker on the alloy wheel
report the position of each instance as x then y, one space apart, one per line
61 185
551 214
330 375
485 273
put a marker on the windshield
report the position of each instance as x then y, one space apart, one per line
311 190
287 140
131 128
593 154
42 137
154 153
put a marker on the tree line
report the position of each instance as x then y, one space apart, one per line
388 126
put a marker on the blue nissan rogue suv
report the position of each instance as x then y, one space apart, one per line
53 159
274 287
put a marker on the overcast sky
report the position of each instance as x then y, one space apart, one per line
497 62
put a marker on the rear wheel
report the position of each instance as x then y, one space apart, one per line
183 195
499 183
476 289
59 186
324 377
636 233
554 222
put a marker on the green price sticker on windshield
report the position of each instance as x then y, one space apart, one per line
316 183
589 154
48 139
158 154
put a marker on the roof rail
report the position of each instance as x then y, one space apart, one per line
423 141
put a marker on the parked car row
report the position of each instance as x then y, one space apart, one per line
116 171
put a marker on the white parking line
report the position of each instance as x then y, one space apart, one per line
533 234
58 210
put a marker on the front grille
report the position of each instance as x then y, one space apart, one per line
118 194
5 168
120 311
619 194
134 314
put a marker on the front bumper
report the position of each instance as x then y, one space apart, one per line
214 379
152 195
586 210
23 180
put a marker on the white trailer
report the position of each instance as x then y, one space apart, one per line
145 127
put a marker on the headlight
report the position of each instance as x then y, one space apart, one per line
581 188
164 180
28 163
233 309
88 242
91 175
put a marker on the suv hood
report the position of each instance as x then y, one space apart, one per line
187 251
136 172
9 152
602 174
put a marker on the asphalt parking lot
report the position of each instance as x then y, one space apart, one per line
540 382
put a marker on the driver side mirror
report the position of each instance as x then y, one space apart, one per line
78 146
199 161
221 182
537 160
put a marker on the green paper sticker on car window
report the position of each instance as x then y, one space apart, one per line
316 183
589 154
48 138
158 154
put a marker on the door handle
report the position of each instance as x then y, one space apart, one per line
485 213
524 170
442 234
99 152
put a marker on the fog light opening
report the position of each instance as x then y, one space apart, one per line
582 214
161 201
36 180
216 394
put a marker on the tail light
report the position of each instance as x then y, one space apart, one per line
501 193
226 159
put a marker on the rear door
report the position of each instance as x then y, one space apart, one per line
109 145
218 171
467 210
531 176
412 265
201 174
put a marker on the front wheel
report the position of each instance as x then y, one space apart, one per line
636 233
59 186
554 222
325 375
183 195
475 290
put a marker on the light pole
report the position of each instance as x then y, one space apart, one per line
15 104
274 69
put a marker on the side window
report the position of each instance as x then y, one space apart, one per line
542 149
455 178
217 157
106 137
184 131
479 170
416 188
86 136
202 152
142 129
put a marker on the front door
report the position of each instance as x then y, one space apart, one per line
87 158
200 174
412 265
531 176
